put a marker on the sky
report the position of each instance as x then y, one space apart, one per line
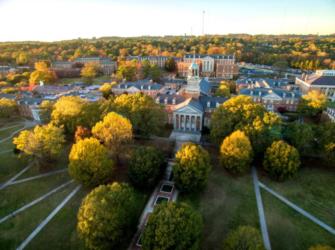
50 20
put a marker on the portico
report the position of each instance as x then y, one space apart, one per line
188 118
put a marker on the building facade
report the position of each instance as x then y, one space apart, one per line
213 66
156 60
321 80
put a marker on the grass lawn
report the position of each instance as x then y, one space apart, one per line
289 230
10 165
60 233
7 132
15 230
313 189
225 204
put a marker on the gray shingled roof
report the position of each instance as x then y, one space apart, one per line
265 91
315 79
143 84
212 100
169 98
216 56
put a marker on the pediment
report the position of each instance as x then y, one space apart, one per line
133 89
188 110
272 96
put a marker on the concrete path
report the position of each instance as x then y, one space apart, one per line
6 151
34 202
262 220
298 209
47 219
38 176
13 126
7 183
27 124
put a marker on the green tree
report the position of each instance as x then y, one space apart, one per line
68 112
312 104
191 168
106 216
8 108
146 116
89 163
173 226
114 131
155 73
301 136
281 160
43 143
89 71
244 237
146 166
325 137
236 152
170 65
240 112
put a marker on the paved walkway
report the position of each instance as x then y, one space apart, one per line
298 209
262 220
47 219
38 176
11 180
27 124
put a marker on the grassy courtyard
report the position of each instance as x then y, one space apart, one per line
226 203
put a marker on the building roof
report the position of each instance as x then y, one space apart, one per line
141 85
264 82
149 58
211 101
173 99
318 79
266 91
205 86
190 102
215 56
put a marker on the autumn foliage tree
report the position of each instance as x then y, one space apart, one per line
236 152
89 162
146 116
114 131
106 216
8 108
281 160
43 143
313 103
240 112
89 71
82 133
42 73
173 226
192 167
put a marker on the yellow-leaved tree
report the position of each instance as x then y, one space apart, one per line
236 152
313 103
43 143
89 162
114 131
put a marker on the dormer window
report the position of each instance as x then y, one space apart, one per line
208 104
174 100
157 100
166 100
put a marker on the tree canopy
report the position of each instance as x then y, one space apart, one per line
43 143
313 103
281 160
173 226
240 112
42 73
146 116
146 166
106 216
244 237
89 163
114 131
89 71
192 167
236 152
8 108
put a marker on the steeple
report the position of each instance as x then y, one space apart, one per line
193 70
